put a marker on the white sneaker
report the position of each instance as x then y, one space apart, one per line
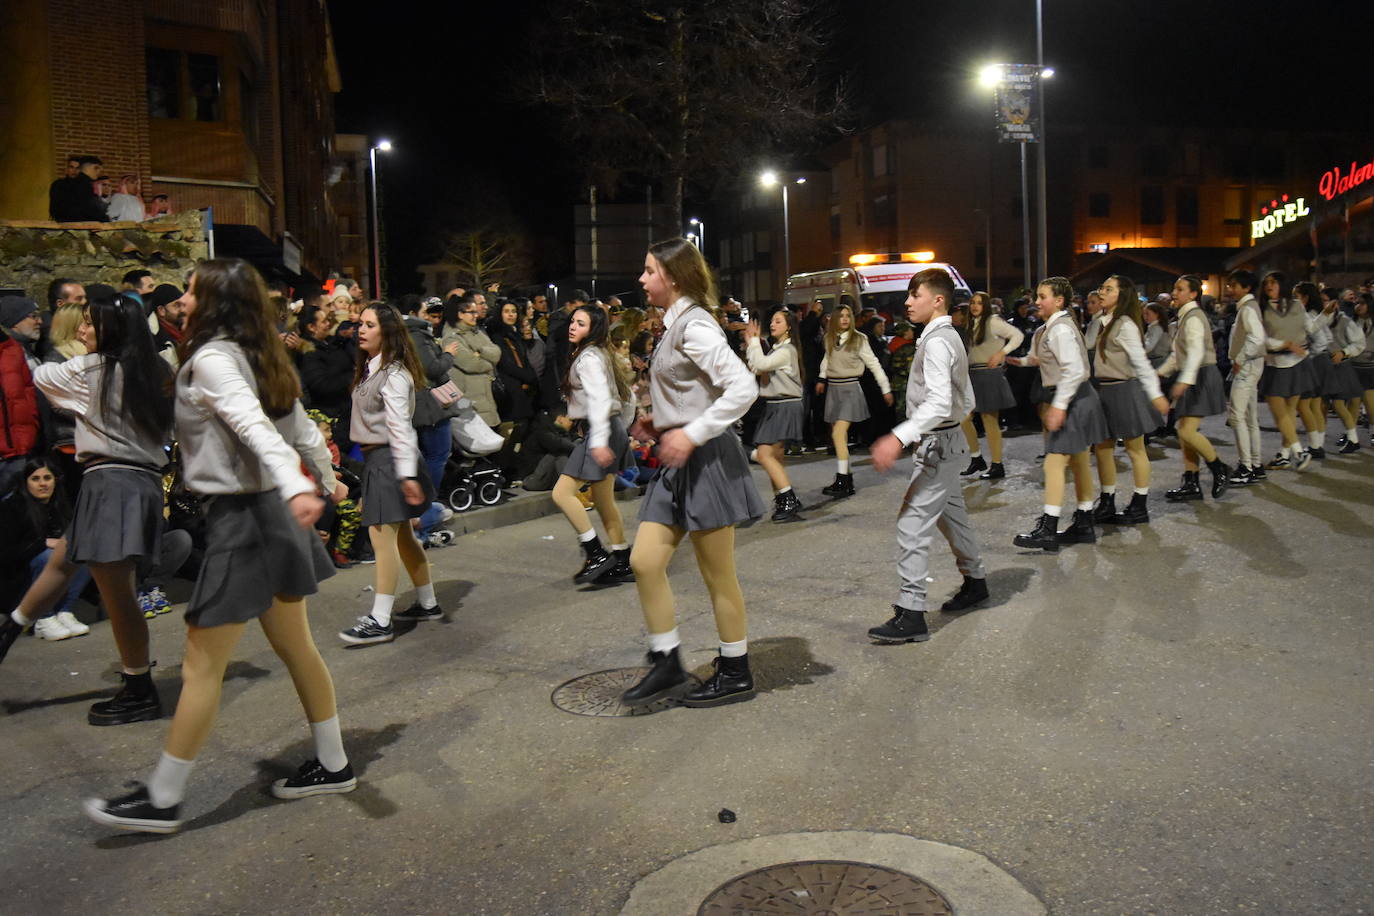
51 628
445 513
74 626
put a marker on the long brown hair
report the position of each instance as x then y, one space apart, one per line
832 330
1127 306
598 336
231 302
978 325
792 333
688 270
396 346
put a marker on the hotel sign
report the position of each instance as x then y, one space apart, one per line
1279 213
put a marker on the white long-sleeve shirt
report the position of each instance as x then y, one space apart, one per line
1194 348
1348 337
945 398
707 347
1061 337
74 386
593 396
865 354
1319 338
1249 326
391 425
781 365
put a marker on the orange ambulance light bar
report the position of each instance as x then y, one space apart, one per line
920 257
860 260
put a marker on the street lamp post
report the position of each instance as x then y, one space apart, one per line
768 179
700 234
1042 204
384 146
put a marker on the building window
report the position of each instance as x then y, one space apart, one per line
248 104
1151 205
884 214
204 78
1233 206
880 160
164 83
1100 204
186 85
1154 162
1185 204
1098 157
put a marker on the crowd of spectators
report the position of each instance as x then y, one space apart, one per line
84 194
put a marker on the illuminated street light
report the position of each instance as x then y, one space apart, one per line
769 179
384 146
990 75
700 234
1047 73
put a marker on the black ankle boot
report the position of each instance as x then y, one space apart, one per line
971 594
1044 535
597 564
904 627
1185 491
665 678
1136 513
620 570
843 486
1104 513
9 632
1081 531
1221 477
976 465
136 701
995 471
786 506
731 683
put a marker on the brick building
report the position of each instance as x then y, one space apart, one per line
348 197
221 104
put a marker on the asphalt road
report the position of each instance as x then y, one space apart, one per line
1176 720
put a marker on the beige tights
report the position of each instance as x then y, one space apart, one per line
715 553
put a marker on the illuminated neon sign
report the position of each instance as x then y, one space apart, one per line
1333 183
1278 213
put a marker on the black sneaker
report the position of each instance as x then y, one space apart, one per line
995 471
1281 462
1240 477
134 811
418 611
971 594
136 701
1257 474
313 779
9 632
1347 447
1318 453
368 631
904 627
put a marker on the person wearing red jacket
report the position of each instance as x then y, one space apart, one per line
19 420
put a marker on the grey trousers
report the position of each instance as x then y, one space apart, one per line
1242 413
934 500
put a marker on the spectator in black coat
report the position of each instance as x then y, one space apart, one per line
74 199
431 420
326 366
518 383
550 441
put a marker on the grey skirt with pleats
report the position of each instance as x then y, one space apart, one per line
383 503
1287 382
991 391
580 465
254 551
118 515
712 490
1206 397
1127 409
1084 426
782 421
844 400
1343 384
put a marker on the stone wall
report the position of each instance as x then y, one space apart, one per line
33 254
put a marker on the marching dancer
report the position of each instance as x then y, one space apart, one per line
237 396
1132 402
1246 349
1343 387
698 389
599 398
847 354
1312 405
1196 391
120 396
1286 375
991 340
780 386
396 486
1073 418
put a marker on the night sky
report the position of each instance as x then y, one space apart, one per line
436 85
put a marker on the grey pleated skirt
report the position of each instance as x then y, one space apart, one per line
1126 408
1321 373
844 400
1289 382
382 500
1343 384
1084 427
254 551
712 490
782 421
1039 394
1206 397
118 516
580 465
991 392
1366 376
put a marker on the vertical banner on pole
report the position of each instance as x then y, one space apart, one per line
1018 114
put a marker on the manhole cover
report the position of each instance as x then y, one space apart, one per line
822 888
598 694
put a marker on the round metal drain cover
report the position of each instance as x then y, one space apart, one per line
827 888
598 694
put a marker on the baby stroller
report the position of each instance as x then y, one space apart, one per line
469 477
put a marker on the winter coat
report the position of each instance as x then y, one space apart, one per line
518 378
474 368
18 402
327 376
436 364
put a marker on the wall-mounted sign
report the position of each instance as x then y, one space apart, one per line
1018 116
1335 182
1279 213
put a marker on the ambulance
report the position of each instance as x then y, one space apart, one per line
876 281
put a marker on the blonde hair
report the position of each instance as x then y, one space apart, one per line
832 330
688 270
65 321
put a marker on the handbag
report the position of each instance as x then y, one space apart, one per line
446 394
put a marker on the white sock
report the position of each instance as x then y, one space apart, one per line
1052 510
1108 491
1317 438
425 595
586 536
1086 507
329 744
753 454
1351 434
1142 491
19 618
842 466
167 785
664 642
135 672
976 454
620 546
381 608
734 649
785 490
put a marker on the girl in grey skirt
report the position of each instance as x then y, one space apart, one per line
119 395
599 398
1343 387
262 555
1132 402
990 340
780 386
1196 391
1286 373
698 389
1073 419
847 355
1312 406
396 486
